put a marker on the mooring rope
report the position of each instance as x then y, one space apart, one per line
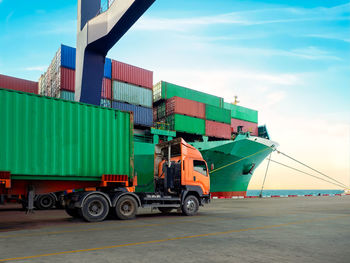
267 168
215 170
341 185
310 168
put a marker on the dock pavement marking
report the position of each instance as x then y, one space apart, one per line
175 238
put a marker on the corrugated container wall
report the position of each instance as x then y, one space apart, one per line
185 107
67 79
67 57
217 114
51 139
186 124
7 82
132 94
217 129
106 89
108 68
246 126
166 90
142 116
242 113
131 74
66 95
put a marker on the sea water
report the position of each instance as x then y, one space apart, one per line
315 192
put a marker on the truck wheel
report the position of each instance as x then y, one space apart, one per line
190 206
71 210
95 208
45 202
126 208
165 210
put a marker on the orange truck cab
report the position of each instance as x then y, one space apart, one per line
179 166
181 180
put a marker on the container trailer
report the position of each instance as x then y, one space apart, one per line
51 145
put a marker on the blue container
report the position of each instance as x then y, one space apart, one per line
108 68
68 55
142 116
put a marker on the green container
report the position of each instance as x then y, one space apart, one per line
242 113
132 94
165 90
44 138
144 166
217 114
66 95
182 123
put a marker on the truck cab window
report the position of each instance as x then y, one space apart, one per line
200 167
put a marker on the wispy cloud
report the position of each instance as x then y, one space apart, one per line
248 18
344 38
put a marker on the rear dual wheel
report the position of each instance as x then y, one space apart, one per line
94 209
126 208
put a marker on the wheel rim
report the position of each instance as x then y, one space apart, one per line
95 208
191 205
46 202
127 208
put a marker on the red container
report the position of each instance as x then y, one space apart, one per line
67 79
177 105
68 83
131 74
217 129
246 126
106 89
7 82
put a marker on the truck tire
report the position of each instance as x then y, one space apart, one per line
165 210
190 206
45 202
126 208
71 210
95 208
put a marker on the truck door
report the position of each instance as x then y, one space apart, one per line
200 175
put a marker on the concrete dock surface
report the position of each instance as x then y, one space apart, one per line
299 229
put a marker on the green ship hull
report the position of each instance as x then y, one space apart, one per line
231 163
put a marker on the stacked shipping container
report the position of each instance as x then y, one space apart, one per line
195 112
59 79
132 91
7 82
243 119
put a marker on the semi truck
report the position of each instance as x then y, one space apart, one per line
51 145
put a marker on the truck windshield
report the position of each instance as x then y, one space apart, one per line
200 167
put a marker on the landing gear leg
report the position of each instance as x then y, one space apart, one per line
30 200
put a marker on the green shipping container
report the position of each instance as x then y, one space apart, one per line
242 113
217 114
44 138
182 123
132 94
165 90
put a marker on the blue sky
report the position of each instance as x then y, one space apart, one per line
288 59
